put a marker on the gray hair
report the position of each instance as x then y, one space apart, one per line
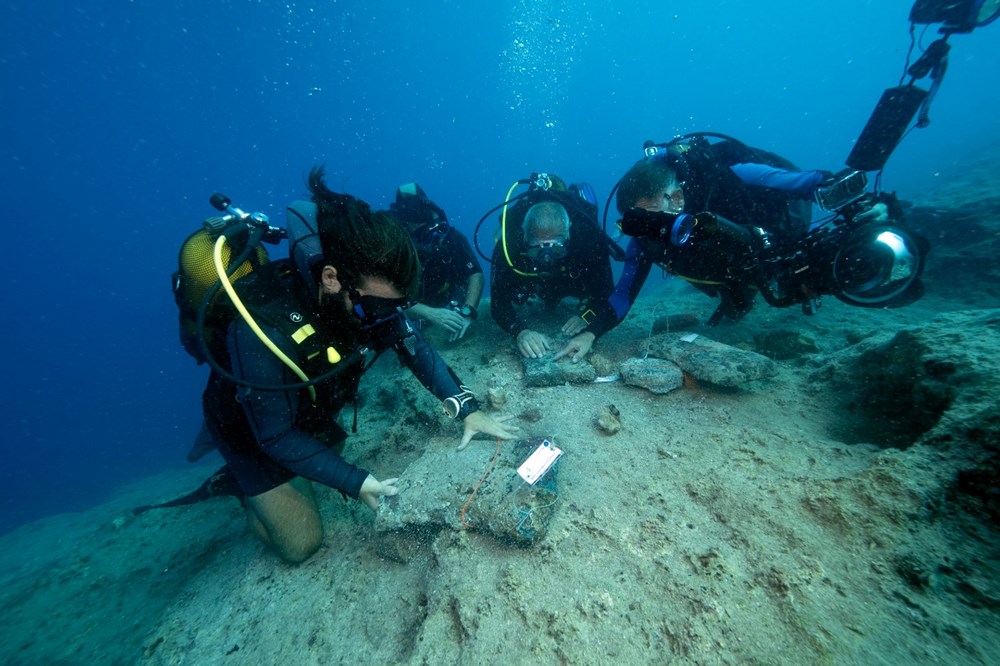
546 218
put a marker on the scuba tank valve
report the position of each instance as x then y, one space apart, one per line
257 221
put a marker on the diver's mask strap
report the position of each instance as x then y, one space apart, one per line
459 406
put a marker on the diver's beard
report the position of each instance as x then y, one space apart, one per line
336 314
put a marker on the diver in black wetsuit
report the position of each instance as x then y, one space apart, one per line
337 303
452 281
757 201
553 249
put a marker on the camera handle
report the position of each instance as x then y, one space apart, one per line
933 62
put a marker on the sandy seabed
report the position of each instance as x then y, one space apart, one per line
783 522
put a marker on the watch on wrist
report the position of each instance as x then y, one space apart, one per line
459 406
464 310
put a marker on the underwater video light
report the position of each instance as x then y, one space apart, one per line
956 16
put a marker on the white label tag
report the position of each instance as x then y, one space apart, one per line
539 462
690 337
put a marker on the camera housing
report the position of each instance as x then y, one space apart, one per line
845 187
959 16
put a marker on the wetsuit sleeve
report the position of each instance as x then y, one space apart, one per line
797 184
503 287
611 312
272 415
430 369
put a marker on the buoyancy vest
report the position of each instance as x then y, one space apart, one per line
275 299
273 295
710 185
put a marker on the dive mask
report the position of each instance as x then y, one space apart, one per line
546 253
382 319
430 235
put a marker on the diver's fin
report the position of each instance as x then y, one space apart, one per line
204 443
222 483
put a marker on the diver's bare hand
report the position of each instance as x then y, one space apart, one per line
877 213
372 489
532 344
573 326
578 347
466 322
447 319
480 422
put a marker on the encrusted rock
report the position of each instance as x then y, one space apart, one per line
675 322
609 420
438 491
546 372
653 374
496 398
709 361
531 415
603 366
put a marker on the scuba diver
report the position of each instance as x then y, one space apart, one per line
325 313
452 280
550 247
734 221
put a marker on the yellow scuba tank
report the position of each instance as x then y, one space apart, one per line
197 275
203 288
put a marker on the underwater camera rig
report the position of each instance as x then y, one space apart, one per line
860 262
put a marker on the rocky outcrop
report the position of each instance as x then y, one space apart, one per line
709 361
934 385
469 490
962 222
547 372
652 374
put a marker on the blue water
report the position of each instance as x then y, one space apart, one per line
121 117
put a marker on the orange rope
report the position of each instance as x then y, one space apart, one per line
476 489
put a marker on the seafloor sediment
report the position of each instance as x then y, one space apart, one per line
841 511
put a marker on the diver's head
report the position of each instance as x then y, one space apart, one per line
650 184
369 268
362 244
407 193
371 309
546 232
424 219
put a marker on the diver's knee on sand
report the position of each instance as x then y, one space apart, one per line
287 519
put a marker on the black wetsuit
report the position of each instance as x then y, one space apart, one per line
446 257
448 262
584 273
270 437
775 198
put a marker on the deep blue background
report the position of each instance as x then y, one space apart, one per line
120 119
